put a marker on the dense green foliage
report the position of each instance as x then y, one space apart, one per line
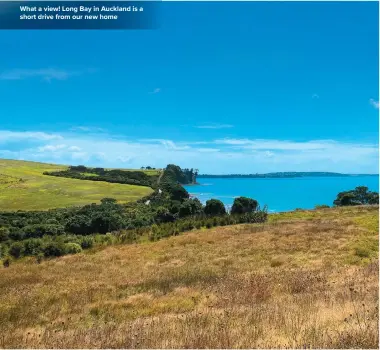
113 176
243 205
173 173
167 211
214 207
359 196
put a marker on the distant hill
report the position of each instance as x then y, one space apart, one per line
282 175
24 187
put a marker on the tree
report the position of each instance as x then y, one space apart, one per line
54 249
175 191
108 201
79 225
16 249
214 207
105 222
190 207
164 215
243 205
4 234
359 196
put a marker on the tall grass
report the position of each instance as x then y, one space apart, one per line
296 283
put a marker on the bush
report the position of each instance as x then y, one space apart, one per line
214 207
54 249
32 246
362 252
359 196
39 230
16 249
190 207
16 234
243 205
164 215
4 234
72 248
86 242
6 262
321 206
79 225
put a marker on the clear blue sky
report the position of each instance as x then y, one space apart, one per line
223 87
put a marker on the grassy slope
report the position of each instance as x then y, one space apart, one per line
298 280
36 191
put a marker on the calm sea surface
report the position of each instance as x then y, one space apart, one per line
281 194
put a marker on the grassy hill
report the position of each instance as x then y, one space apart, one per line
304 279
24 187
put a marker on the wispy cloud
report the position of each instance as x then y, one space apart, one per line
166 143
374 103
47 74
59 147
315 96
260 144
87 129
51 148
14 136
216 156
214 126
155 91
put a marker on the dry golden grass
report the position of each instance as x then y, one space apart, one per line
297 281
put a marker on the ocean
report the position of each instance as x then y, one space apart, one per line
280 194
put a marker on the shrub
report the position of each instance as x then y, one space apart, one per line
190 207
6 262
243 205
39 230
54 249
32 246
86 242
321 206
214 207
362 252
16 249
79 225
16 234
72 248
164 215
39 258
359 196
4 234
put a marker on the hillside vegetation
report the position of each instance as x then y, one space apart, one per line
24 187
303 279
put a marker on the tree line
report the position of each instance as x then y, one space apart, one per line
172 173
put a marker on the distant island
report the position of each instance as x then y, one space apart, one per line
282 175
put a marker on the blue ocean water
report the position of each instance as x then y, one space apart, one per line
280 194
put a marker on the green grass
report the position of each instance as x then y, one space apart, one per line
24 187
153 172
89 174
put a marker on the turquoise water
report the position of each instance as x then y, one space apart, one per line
280 194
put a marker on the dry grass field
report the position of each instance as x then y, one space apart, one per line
304 280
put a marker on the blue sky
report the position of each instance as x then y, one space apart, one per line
223 87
